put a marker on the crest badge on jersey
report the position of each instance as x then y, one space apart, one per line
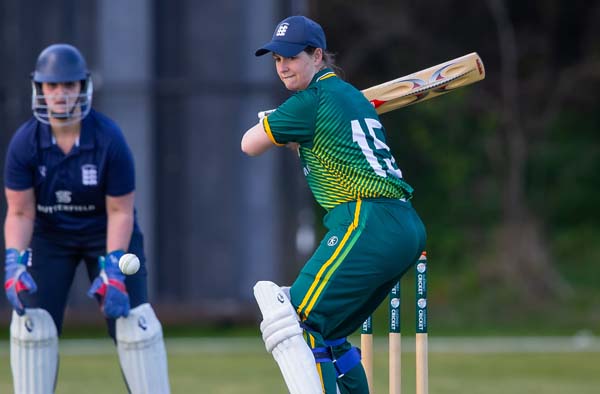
89 175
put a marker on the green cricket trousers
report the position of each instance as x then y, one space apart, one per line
369 245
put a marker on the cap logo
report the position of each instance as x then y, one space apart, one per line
282 29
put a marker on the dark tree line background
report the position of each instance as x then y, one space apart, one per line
505 171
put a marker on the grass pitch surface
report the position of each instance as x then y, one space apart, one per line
240 365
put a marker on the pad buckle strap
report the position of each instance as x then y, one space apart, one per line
342 364
335 342
322 354
347 361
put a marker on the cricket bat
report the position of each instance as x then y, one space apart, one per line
426 84
422 85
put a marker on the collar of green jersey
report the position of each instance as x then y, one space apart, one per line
321 75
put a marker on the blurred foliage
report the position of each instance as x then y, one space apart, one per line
458 152
542 61
441 148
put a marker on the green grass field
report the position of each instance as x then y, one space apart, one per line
240 365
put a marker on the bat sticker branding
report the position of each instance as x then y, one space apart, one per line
426 84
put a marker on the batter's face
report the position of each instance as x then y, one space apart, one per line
296 72
61 97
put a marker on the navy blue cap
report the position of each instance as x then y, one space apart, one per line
292 35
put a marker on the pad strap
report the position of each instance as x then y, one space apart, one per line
342 364
335 342
347 361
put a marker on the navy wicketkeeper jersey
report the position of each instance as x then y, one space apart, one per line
71 189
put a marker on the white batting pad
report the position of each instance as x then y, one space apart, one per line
33 352
283 339
142 351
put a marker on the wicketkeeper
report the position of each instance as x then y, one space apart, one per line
69 185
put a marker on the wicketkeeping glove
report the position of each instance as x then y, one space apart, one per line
16 278
109 286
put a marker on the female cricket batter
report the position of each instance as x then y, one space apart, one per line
69 185
374 234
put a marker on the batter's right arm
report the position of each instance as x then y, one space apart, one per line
255 141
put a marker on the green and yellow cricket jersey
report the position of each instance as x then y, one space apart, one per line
342 142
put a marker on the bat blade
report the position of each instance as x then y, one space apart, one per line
426 84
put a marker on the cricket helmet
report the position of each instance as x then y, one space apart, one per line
61 63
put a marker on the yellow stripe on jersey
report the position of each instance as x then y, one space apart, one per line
326 75
316 288
268 131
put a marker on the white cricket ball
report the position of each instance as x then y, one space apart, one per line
129 264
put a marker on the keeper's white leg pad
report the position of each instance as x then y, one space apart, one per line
33 352
283 338
142 351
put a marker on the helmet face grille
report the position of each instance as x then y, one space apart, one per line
76 106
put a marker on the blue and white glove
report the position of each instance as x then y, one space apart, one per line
16 278
109 286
